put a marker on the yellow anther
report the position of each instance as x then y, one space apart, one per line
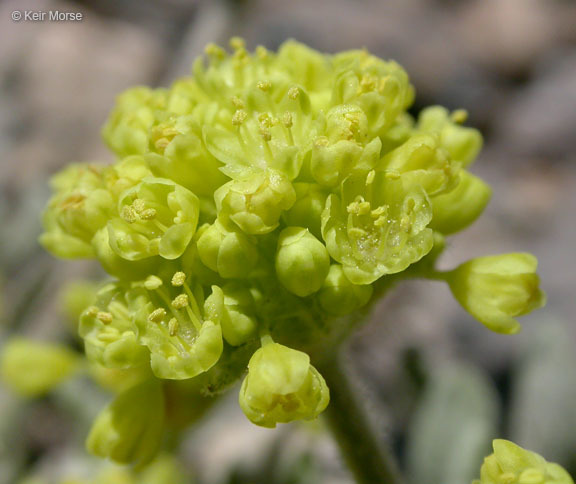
459 116
139 205
287 119
129 214
180 301
237 102
357 232
264 85
178 279
152 283
370 177
215 51
266 134
92 311
148 214
157 315
293 92
378 211
104 317
173 327
392 175
239 117
237 43
265 120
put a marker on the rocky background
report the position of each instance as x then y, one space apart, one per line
435 381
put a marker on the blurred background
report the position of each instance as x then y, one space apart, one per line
439 385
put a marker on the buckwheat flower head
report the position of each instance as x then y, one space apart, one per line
255 210
511 464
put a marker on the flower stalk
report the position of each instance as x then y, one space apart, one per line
365 454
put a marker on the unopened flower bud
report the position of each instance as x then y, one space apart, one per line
307 210
496 289
228 252
233 308
282 386
338 296
302 261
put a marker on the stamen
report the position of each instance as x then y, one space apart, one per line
370 177
159 224
104 317
173 326
392 175
180 301
266 134
237 102
139 205
129 214
265 120
152 283
287 119
157 315
92 311
264 85
178 279
239 117
214 51
293 93
459 116
364 208
380 221
148 214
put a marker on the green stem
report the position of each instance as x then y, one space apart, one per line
367 457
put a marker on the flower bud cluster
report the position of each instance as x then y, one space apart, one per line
251 204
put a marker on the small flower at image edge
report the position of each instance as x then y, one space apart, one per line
33 368
512 464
